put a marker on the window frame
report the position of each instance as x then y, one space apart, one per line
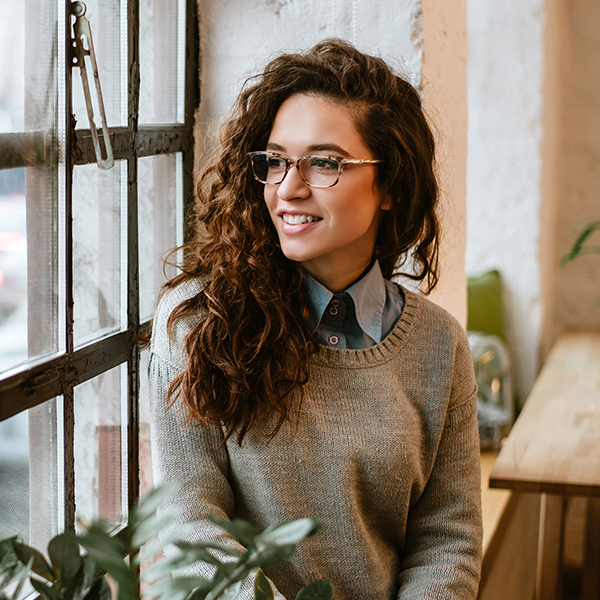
35 382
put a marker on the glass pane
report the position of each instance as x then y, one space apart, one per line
13 268
46 472
14 476
101 447
108 23
146 480
162 61
28 197
160 201
12 60
98 250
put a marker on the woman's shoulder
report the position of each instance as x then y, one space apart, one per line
168 338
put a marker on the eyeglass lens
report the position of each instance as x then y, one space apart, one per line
317 171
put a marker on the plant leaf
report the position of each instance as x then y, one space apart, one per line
262 587
99 591
109 553
199 552
91 576
270 556
63 551
241 530
39 566
45 591
289 533
8 557
177 587
231 591
149 528
317 590
578 245
149 502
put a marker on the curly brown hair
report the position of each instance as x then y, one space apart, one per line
253 345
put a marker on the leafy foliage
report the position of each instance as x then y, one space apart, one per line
580 247
70 575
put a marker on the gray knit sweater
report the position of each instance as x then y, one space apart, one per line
386 455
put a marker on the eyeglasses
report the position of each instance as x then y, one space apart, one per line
316 171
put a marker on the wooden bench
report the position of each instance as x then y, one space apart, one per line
552 452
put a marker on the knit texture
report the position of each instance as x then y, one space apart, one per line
385 454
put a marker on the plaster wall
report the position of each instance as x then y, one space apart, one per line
578 284
238 37
506 61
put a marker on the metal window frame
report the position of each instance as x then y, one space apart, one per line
38 381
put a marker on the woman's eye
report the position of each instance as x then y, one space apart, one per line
324 165
275 164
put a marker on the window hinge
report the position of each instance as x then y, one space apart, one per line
82 30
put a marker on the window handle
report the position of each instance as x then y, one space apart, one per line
82 30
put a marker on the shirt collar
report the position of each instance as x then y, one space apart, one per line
368 295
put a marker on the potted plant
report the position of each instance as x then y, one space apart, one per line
70 574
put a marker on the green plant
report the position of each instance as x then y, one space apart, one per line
580 247
71 575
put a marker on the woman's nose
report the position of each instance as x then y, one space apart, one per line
293 186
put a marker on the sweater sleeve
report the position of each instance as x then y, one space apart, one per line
442 558
190 456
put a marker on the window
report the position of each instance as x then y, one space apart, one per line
80 249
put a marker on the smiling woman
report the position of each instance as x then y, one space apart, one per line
309 384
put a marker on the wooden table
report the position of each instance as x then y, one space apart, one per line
554 450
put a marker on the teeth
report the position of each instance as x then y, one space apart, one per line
299 219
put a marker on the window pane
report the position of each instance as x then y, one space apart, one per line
160 223
146 480
101 447
162 61
14 477
98 250
13 269
46 472
108 23
12 60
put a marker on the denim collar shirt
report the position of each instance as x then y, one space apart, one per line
360 316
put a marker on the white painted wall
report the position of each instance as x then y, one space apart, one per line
238 37
504 199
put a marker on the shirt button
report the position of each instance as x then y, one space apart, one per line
333 310
335 302
334 340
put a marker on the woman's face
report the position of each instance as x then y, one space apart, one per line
336 246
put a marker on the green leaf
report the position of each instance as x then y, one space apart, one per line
150 528
177 587
578 247
45 591
99 591
289 533
39 566
8 557
197 550
270 556
231 591
262 587
91 576
317 590
63 551
156 545
149 502
109 553
241 530
198 594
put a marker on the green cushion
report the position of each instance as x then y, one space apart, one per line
484 302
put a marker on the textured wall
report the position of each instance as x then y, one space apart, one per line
506 61
239 36
578 284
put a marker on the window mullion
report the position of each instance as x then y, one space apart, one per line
133 298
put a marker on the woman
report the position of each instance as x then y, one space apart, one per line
291 378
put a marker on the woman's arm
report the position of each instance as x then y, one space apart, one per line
191 456
442 558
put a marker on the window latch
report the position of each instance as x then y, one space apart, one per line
83 32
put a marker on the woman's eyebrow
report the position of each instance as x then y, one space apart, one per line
312 148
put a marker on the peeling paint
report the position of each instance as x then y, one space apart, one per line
416 26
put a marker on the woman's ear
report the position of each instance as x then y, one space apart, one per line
386 203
